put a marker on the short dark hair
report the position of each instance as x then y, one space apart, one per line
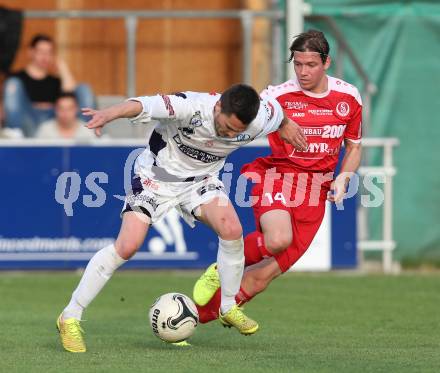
67 95
310 41
241 100
40 37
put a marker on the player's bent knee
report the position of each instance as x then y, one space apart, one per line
277 243
230 230
126 248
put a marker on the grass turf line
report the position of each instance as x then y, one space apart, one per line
309 323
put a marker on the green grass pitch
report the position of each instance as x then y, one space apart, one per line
309 323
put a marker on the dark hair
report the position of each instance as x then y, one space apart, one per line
40 37
67 95
310 41
241 100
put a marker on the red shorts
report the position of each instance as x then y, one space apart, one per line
306 217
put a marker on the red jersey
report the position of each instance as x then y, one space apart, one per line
327 119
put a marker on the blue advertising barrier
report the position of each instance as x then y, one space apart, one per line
48 226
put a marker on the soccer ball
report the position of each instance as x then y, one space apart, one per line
173 317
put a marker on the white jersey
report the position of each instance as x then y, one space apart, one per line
184 142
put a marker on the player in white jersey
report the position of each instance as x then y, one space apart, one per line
178 169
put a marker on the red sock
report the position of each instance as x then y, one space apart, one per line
254 248
242 297
209 312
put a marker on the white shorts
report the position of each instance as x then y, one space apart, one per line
156 198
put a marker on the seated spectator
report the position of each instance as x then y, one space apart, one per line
66 125
30 94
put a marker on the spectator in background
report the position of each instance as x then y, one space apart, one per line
66 125
30 94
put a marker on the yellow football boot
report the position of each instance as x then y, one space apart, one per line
181 344
71 334
206 286
237 319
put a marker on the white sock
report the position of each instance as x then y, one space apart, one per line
230 264
97 273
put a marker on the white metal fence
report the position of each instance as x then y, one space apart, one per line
387 170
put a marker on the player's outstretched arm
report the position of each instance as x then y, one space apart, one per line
99 118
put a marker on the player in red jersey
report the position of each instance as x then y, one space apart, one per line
293 184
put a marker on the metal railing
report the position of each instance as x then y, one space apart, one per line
387 169
131 18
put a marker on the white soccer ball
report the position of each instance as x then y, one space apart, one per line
173 317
